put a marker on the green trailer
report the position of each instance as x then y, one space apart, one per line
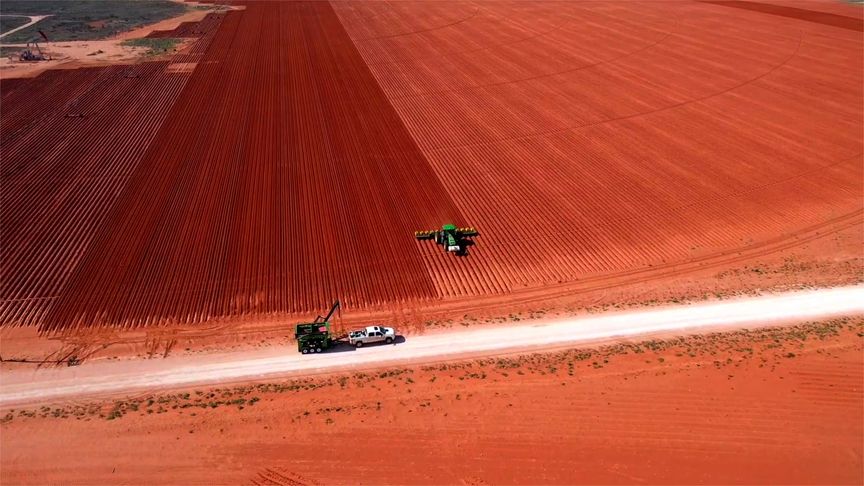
316 337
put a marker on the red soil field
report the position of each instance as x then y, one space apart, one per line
71 139
585 140
282 179
826 18
779 407
624 135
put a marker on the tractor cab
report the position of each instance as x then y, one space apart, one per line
448 239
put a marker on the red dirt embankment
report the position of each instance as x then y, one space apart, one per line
769 406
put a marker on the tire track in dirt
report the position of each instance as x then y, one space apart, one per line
509 19
438 27
280 477
633 115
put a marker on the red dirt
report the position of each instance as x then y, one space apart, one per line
842 21
832 259
62 173
593 144
323 171
781 406
614 162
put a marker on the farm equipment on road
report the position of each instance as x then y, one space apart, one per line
317 336
452 238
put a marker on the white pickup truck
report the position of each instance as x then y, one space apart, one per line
371 334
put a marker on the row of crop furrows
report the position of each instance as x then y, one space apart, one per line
498 38
203 31
282 180
71 140
633 155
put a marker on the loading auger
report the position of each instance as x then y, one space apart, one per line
317 336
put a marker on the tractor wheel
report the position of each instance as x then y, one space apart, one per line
358 344
389 340
317 350
305 351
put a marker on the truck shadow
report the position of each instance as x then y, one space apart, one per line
346 348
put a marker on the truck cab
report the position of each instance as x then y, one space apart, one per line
371 334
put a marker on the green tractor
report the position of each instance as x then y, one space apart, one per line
452 238
316 337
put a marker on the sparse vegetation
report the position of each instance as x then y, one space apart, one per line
770 345
10 51
155 47
9 23
88 19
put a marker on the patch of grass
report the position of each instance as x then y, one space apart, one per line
9 23
154 47
88 19
10 51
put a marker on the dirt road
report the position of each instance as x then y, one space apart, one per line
110 378
33 20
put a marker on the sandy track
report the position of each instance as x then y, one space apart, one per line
112 378
33 20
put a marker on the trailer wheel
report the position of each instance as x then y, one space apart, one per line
317 350
358 344
389 340
305 351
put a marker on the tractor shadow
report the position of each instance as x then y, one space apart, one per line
465 245
347 348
